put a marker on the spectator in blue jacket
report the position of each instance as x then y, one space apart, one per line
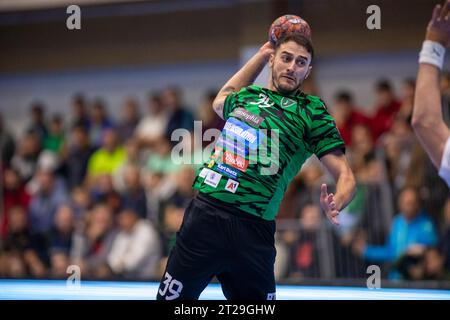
50 195
412 230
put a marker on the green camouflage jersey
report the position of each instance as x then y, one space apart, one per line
265 141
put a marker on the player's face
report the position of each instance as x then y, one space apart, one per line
290 66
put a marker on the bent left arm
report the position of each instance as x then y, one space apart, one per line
337 164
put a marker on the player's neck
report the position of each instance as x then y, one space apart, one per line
272 87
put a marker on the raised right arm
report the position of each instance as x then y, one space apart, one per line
244 77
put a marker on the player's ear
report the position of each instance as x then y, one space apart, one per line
271 59
308 72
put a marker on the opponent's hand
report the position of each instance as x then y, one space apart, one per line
266 50
328 204
438 29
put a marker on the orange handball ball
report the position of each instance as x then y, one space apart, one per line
288 24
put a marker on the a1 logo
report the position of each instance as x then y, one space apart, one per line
231 185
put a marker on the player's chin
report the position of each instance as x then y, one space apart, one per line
288 87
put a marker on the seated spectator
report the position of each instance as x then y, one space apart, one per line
411 230
7 144
133 158
136 250
304 245
346 115
386 108
81 202
434 265
60 237
424 264
50 195
158 187
55 137
99 123
60 242
14 195
76 157
25 253
108 158
174 206
103 191
27 154
134 196
130 119
405 158
180 115
59 261
80 116
160 161
92 245
38 124
362 158
153 126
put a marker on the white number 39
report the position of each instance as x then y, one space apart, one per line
169 284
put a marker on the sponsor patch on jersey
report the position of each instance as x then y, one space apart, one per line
247 116
213 178
227 170
203 173
232 146
241 132
234 160
231 185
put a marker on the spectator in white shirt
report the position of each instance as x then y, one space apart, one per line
152 127
136 250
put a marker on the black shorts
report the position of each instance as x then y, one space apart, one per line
236 247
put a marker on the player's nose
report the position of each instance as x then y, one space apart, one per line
291 67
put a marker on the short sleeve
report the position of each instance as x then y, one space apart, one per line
324 136
229 104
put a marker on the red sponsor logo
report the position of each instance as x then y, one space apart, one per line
234 160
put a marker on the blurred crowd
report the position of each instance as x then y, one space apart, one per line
82 187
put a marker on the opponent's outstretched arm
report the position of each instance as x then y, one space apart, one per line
427 119
337 164
244 77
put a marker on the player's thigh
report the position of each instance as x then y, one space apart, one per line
195 258
248 282
251 273
184 279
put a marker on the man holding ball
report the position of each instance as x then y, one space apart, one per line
228 228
